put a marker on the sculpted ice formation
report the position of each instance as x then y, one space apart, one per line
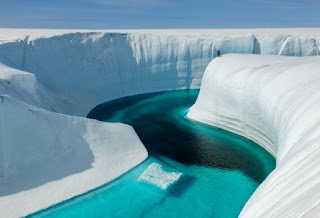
273 101
71 72
47 157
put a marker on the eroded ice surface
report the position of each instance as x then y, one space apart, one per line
273 101
72 71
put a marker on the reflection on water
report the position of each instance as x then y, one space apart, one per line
220 170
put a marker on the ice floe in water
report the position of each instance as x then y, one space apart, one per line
156 175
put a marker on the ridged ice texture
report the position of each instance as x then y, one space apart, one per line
274 101
88 68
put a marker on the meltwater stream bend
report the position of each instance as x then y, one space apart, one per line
218 171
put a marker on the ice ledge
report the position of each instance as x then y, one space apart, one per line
47 158
273 101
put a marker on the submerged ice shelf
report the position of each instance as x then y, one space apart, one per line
70 72
155 174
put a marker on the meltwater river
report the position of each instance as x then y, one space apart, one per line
219 170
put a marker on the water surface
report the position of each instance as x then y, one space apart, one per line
220 170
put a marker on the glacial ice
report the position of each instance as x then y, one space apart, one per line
85 69
47 157
156 175
47 73
273 101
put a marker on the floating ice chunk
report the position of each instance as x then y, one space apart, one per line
157 176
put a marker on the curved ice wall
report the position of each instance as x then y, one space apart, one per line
86 69
273 101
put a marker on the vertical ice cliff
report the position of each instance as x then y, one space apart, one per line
89 68
273 101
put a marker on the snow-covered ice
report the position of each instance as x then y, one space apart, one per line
47 73
87 68
47 157
274 101
156 175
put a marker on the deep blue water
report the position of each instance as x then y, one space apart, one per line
220 170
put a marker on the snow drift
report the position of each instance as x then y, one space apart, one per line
273 101
70 72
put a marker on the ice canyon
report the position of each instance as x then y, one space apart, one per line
51 79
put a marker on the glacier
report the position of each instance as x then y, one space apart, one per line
273 101
51 79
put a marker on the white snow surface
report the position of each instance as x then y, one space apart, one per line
47 157
47 73
274 101
156 175
85 68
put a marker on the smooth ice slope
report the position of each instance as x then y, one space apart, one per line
47 157
88 68
274 101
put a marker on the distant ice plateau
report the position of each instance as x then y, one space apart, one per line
51 79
